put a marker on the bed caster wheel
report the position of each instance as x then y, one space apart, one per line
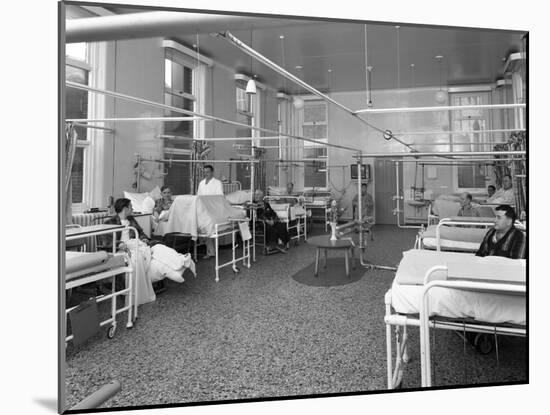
471 337
111 332
484 343
235 270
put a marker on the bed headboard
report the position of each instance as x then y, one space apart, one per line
231 187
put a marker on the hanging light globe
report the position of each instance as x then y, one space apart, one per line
298 103
441 97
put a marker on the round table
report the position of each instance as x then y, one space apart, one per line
324 242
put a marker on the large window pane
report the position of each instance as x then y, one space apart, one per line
243 119
177 77
179 174
187 80
315 112
471 177
76 51
315 131
77 175
168 73
315 152
315 175
180 128
243 100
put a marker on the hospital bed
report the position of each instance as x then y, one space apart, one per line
231 187
88 267
319 203
453 291
292 213
211 217
457 233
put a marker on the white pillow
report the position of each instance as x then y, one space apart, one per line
238 197
155 193
276 191
137 200
148 205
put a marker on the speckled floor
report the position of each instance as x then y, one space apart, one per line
261 334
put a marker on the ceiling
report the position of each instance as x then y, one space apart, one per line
470 56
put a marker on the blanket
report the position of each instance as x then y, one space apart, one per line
198 215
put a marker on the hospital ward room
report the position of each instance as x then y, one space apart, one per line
263 207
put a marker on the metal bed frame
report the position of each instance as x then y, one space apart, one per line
231 187
130 290
418 244
300 220
424 322
231 227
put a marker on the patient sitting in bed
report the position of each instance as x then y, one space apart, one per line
162 206
504 239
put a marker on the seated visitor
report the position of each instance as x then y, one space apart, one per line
504 195
466 208
290 189
277 236
504 239
367 204
123 216
150 264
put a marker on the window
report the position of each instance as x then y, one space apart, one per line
472 123
247 110
244 109
315 127
183 88
76 106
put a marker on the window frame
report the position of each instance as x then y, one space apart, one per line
185 57
85 144
486 115
198 82
313 100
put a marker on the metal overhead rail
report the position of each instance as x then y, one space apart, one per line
443 108
443 154
136 119
159 24
260 58
498 130
205 116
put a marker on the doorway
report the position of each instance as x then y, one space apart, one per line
385 184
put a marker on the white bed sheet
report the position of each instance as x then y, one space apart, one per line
449 244
198 215
460 238
406 291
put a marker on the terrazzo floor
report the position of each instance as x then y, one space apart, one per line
259 334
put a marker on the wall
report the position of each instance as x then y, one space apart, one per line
344 130
136 68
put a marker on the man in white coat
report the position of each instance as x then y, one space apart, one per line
209 186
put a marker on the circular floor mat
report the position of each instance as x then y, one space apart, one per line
334 274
